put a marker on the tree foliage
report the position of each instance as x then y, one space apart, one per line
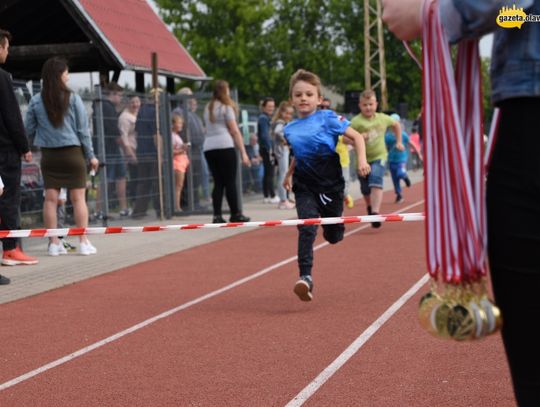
257 44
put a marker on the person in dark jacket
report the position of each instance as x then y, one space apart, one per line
13 146
147 168
115 163
266 146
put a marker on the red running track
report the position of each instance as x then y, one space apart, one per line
254 344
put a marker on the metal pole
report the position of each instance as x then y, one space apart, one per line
100 136
168 177
155 90
382 65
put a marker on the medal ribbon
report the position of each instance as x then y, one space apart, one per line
454 167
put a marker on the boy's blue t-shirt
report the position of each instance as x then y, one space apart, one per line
313 141
394 155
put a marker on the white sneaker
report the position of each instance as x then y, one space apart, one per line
266 200
56 249
86 249
286 205
274 200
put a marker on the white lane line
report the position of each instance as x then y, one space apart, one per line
354 347
165 314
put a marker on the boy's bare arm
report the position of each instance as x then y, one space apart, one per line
287 182
360 147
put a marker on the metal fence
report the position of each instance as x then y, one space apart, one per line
136 181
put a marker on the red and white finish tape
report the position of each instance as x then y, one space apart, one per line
403 217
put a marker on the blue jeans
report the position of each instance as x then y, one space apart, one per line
398 171
374 179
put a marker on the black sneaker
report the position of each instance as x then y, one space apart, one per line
4 280
375 225
218 219
407 181
239 218
68 246
304 288
399 198
369 210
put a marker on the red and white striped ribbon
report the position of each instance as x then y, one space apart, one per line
455 208
403 217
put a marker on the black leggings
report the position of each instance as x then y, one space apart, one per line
513 202
222 164
268 176
313 205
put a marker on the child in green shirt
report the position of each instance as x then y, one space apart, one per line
373 126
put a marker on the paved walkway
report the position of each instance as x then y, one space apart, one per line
119 251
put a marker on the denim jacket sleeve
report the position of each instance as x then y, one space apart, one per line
81 127
472 18
515 59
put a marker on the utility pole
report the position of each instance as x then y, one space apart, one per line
374 65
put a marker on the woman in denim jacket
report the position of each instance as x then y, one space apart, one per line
57 122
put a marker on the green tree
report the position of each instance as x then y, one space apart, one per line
226 37
257 44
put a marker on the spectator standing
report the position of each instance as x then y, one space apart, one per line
193 126
253 178
147 163
283 116
373 126
264 137
57 122
513 186
114 158
128 143
180 159
397 159
222 134
13 146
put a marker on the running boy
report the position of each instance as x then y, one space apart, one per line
373 126
315 172
397 160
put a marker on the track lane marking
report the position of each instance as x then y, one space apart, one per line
149 321
354 347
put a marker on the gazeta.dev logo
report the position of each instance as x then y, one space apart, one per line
514 17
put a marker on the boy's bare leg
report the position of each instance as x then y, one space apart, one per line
376 199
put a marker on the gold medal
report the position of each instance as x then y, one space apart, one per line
439 319
461 324
427 303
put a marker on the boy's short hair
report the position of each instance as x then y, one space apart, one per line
367 94
305 76
113 87
4 35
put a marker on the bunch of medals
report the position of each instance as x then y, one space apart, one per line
459 312
457 306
